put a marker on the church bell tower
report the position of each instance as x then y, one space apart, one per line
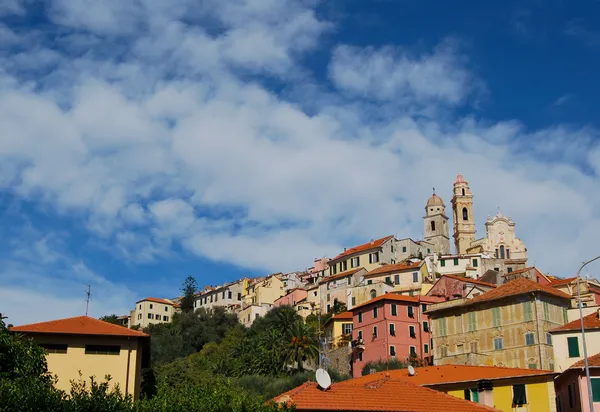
464 222
436 224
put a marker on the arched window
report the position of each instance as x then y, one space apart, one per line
373 293
463 192
465 214
432 226
502 252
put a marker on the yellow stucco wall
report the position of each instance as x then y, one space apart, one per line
139 316
265 291
68 365
457 393
333 329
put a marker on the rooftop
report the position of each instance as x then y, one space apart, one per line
364 247
375 395
471 280
593 362
340 275
80 325
590 321
342 316
389 297
397 267
156 300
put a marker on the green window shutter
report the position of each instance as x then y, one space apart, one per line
527 312
546 311
596 389
475 263
442 263
565 315
474 395
573 344
388 280
394 309
519 395
359 317
497 316
442 326
472 321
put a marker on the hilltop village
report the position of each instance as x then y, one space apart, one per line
480 324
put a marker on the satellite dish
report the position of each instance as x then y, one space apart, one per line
411 370
323 378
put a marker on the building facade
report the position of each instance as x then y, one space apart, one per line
338 330
572 390
435 225
506 326
567 341
369 256
464 220
150 311
336 288
451 287
406 277
227 296
291 298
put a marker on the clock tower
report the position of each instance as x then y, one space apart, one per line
464 221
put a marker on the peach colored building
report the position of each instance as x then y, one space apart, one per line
572 391
389 327
292 298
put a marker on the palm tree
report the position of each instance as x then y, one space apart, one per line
302 345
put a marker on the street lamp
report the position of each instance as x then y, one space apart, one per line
585 356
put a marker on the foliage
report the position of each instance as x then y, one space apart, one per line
114 319
338 307
382 365
188 289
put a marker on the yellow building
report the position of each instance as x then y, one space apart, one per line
94 348
506 389
264 290
338 329
406 277
150 311
369 256
506 326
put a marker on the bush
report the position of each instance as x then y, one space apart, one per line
381 365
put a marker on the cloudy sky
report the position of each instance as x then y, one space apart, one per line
145 140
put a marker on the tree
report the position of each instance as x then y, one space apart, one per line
114 319
188 289
338 307
302 345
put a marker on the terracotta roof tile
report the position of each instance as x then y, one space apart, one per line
470 280
561 282
397 267
517 287
590 321
156 300
80 325
364 247
388 296
436 375
593 361
340 275
377 395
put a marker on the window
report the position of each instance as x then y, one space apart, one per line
375 309
344 266
240 295
498 343
360 356
54 347
425 326
497 316
223 295
532 366
565 316
388 280
139 316
428 250
596 389
571 396
392 329
359 317
423 307
496 256
369 282
216 297
546 311
157 317
442 263
415 277
167 308
140 307
333 270
548 338
529 340
394 309
392 350
475 263
442 326
211 298
354 262
432 226
403 249
397 279
328 297
256 316
151 306
527 312
463 192
102 349
166 318
510 270
150 316
360 335
573 344
411 312
471 321
374 331
328 308
353 300
473 347
413 351
519 395
374 257
426 348
411 332
347 328
501 251
508 253
474 395
229 294
443 351
455 261
465 213
460 349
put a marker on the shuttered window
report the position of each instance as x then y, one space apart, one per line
472 319
497 316
519 395
527 312
596 389
573 344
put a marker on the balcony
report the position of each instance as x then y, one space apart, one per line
358 345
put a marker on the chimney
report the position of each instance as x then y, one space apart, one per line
372 241
486 392
344 249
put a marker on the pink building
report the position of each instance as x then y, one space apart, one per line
572 392
390 327
454 287
294 296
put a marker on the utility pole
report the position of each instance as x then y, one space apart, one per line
88 292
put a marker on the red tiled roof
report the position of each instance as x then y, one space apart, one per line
593 362
470 280
561 282
590 321
340 275
364 247
443 374
388 296
343 316
80 325
387 395
517 287
156 300
397 267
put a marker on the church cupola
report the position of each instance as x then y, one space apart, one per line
464 221
436 224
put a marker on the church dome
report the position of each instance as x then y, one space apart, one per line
435 200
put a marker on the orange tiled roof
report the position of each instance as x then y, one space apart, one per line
343 316
517 287
80 325
561 282
590 321
363 247
397 267
340 275
443 374
388 296
593 361
376 395
156 300
471 280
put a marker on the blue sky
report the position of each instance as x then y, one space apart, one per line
144 141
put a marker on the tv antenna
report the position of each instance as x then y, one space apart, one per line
88 292
323 379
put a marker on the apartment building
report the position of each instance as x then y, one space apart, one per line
150 311
567 342
336 288
369 256
338 329
454 287
228 295
406 278
264 290
507 326
249 313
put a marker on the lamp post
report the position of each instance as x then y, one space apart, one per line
585 356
